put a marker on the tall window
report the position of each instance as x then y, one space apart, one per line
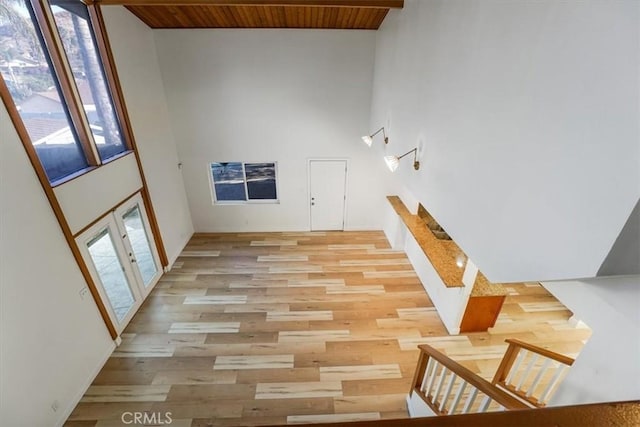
237 182
71 129
26 69
72 21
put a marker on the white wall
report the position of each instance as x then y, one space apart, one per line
134 51
608 367
52 342
528 115
394 228
89 196
272 95
624 257
417 407
449 302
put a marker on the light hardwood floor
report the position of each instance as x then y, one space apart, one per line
275 328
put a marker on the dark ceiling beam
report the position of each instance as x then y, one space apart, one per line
380 4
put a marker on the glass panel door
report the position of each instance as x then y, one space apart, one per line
122 258
111 273
136 233
106 258
140 244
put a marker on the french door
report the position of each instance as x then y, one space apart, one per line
122 258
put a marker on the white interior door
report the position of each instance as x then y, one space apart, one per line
121 256
327 192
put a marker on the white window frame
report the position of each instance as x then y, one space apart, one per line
212 187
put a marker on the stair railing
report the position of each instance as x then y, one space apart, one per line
530 372
449 388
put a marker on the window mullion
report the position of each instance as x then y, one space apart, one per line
104 50
246 188
63 73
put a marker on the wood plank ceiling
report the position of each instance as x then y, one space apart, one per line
323 14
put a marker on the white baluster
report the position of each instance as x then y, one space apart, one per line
456 400
521 356
470 400
432 378
525 375
426 374
440 382
538 377
452 377
546 394
485 404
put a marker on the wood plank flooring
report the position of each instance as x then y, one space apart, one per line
275 328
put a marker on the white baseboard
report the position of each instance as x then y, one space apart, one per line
363 228
453 331
280 228
64 415
285 229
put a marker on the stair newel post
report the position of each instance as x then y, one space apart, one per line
505 365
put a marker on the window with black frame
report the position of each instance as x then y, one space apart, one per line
240 182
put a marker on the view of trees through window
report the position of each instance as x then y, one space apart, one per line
26 69
72 20
241 182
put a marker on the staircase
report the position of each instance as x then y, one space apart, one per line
531 373
526 378
523 383
619 414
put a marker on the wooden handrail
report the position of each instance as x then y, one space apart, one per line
542 351
512 352
484 386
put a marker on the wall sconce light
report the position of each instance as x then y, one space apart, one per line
368 139
394 161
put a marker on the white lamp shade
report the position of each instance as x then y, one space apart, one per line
392 162
367 140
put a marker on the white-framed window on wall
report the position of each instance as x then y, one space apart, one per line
243 182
